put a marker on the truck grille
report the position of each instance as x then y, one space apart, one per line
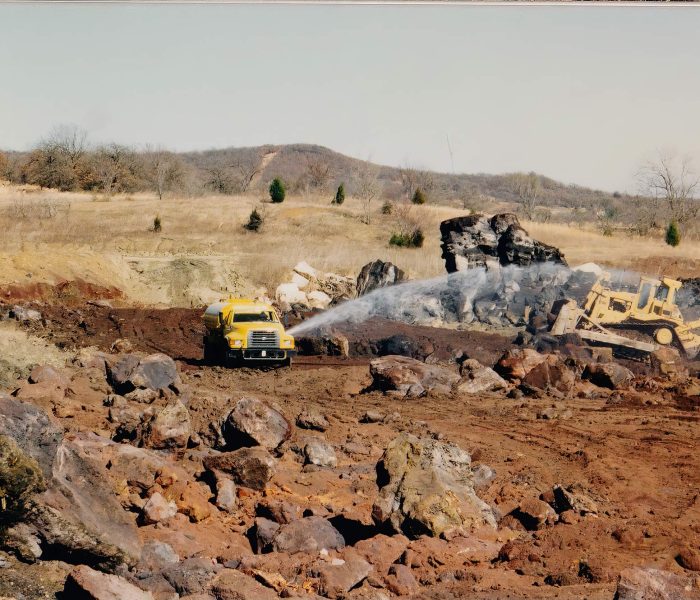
263 339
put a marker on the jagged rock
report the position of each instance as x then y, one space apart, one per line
167 428
279 511
289 293
668 362
324 343
378 274
312 418
401 581
309 534
337 579
155 372
476 378
158 509
475 241
516 363
647 583
157 555
608 375
265 532
410 378
234 585
483 475
191 576
551 374
249 467
318 299
319 452
253 422
85 583
74 515
226 498
566 499
426 487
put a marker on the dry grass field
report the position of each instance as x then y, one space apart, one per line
203 248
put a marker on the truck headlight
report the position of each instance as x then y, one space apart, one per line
236 343
287 343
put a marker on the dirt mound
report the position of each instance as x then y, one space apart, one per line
70 293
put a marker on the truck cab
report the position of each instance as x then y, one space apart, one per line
240 330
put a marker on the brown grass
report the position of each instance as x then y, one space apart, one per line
307 228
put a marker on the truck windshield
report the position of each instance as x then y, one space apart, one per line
265 317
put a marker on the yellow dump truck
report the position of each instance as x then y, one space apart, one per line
239 330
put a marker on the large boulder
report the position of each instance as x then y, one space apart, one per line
253 422
336 580
476 378
608 375
378 274
310 534
477 241
551 374
249 467
154 372
410 378
167 428
647 583
516 363
426 487
78 513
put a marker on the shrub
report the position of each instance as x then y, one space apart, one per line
418 197
387 208
277 190
255 221
339 195
407 240
157 225
673 234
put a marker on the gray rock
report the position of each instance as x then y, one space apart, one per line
154 372
158 509
265 532
24 314
310 534
191 576
319 452
157 555
378 274
226 498
427 488
253 422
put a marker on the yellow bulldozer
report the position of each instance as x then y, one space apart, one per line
650 311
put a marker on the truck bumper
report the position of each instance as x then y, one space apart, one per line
260 354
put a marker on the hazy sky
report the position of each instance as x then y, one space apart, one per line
583 94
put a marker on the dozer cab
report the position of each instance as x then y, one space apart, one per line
240 330
650 311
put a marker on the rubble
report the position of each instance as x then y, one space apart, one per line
253 422
410 378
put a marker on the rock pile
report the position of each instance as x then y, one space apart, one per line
477 241
310 288
378 274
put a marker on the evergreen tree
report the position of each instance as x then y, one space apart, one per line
277 191
339 195
673 234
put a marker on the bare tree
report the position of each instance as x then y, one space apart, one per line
163 170
318 173
116 168
526 186
413 179
673 182
246 170
367 188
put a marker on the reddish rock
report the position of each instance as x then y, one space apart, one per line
84 583
158 509
400 580
516 363
608 375
249 467
253 422
337 579
646 583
